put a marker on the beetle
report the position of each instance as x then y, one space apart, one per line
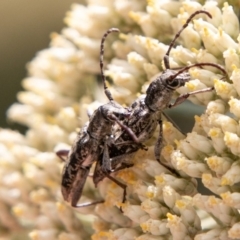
88 144
145 116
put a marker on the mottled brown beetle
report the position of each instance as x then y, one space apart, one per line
87 147
146 115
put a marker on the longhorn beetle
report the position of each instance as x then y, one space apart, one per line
146 115
87 146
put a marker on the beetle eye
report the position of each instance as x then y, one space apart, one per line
174 83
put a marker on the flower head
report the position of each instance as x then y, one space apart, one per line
62 88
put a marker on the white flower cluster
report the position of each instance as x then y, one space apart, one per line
63 86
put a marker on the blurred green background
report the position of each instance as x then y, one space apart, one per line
25 27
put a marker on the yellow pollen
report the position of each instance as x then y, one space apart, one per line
194 50
160 179
34 235
207 177
145 227
123 36
167 150
197 118
150 194
149 43
50 183
128 176
134 16
226 181
212 163
190 86
220 32
183 21
50 119
151 3
212 200
177 142
167 124
121 205
100 235
108 200
180 204
230 139
234 67
170 217
18 211
214 132
61 207
233 102
225 5
194 73
206 32
221 86
226 196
